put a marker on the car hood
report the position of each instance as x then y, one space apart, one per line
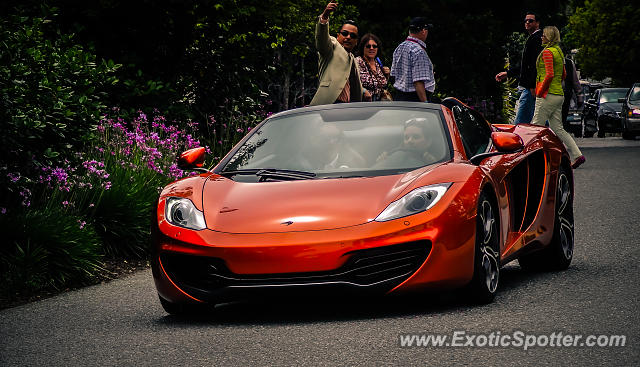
301 205
611 106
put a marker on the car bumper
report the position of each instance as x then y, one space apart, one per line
633 125
610 123
573 123
416 252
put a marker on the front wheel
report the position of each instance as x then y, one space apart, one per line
486 265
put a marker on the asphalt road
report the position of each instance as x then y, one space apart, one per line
122 322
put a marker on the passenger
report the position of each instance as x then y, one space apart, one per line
417 147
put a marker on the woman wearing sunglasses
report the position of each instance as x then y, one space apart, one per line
372 74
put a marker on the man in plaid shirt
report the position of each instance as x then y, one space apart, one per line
411 67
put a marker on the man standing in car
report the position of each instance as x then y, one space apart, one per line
339 77
411 66
527 70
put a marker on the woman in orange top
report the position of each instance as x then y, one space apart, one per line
549 94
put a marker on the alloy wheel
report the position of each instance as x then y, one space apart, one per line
564 214
489 254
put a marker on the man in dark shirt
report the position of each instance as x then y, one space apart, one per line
527 70
570 86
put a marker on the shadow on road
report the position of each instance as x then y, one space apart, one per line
296 311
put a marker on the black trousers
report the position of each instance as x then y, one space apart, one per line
409 96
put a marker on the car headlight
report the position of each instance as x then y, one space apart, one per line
181 212
416 201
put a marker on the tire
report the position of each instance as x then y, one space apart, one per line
601 132
626 135
586 124
559 253
486 264
577 134
179 309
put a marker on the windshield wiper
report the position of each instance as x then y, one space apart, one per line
271 173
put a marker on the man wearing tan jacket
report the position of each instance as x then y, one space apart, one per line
339 77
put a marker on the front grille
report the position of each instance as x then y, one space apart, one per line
388 265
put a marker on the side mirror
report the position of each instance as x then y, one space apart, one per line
622 100
191 159
505 142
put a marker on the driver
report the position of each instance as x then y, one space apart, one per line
327 150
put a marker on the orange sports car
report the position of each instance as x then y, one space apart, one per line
383 197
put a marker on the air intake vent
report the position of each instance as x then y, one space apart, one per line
389 265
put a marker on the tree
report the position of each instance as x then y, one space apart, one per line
605 32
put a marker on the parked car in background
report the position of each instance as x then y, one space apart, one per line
602 112
573 124
631 113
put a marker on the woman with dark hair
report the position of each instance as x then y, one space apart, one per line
372 74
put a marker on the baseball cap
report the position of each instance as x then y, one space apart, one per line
419 23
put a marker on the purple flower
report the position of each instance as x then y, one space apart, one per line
175 172
60 174
82 223
3 210
14 177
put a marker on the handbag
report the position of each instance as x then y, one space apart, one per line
386 95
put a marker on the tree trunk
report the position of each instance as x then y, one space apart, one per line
285 90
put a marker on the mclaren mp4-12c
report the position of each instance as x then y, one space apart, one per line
378 198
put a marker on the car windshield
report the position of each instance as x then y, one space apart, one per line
635 93
612 95
343 142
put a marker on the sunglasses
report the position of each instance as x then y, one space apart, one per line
529 20
347 33
371 46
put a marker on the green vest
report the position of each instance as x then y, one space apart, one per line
558 65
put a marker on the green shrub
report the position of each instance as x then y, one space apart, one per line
51 92
46 248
